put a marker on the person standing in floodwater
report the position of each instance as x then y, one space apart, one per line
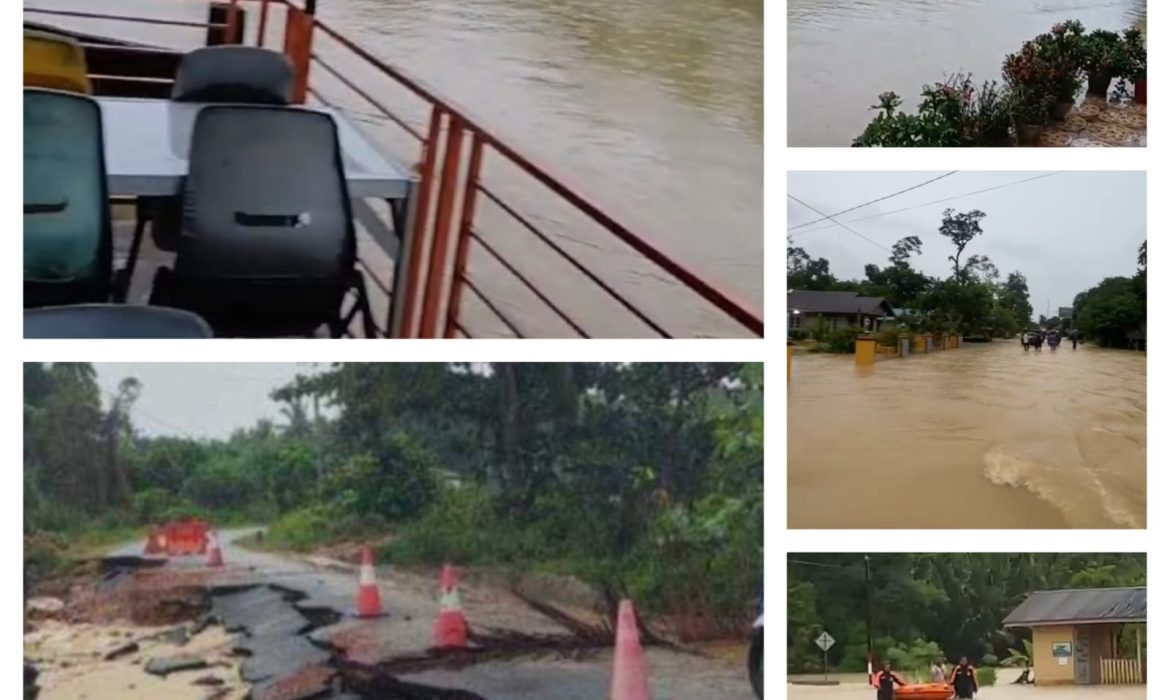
885 680
937 673
1053 340
963 679
1075 336
1037 341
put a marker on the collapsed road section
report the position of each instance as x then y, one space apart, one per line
298 631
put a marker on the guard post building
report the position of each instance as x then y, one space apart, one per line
1076 635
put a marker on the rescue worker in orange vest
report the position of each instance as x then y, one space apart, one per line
884 681
963 679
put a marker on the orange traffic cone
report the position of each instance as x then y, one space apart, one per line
629 668
214 554
451 625
154 543
369 600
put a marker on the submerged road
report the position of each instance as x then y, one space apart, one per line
294 617
986 436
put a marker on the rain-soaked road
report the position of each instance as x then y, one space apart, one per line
983 437
278 648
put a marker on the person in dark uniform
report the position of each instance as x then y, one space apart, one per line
885 680
963 679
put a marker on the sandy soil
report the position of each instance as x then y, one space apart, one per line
69 657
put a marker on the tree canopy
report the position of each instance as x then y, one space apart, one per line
952 602
645 477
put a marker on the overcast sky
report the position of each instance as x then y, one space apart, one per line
201 399
1065 232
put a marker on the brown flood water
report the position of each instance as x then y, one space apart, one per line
982 437
860 691
654 108
843 53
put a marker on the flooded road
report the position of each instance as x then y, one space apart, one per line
983 437
860 691
654 108
843 53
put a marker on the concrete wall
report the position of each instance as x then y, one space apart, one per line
1048 668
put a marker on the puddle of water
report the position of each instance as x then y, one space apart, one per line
984 437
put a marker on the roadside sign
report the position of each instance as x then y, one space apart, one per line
825 641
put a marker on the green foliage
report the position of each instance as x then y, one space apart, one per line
302 530
1107 312
955 600
952 113
985 676
396 483
917 656
1104 53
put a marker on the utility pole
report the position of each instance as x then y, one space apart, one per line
868 624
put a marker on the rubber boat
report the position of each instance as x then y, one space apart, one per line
924 691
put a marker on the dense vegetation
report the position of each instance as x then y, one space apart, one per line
646 479
930 605
1041 82
973 299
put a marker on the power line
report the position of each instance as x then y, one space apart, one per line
940 201
874 201
855 233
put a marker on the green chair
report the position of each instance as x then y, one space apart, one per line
68 249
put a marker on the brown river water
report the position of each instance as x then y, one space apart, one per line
983 437
653 108
843 53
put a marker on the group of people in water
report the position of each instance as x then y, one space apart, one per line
962 679
1034 340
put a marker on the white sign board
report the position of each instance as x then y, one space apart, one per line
825 641
1062 660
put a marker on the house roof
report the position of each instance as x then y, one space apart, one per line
807 301
1085 605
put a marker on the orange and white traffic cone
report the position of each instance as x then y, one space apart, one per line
214 553
154 543
451 625
629 667
369 600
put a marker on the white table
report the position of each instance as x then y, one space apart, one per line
147 142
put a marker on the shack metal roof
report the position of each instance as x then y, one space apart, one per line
807 301
1083 606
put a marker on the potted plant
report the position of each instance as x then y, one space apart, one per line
1032 86
993 112
1135 62
1030 111
1062 50
1104 59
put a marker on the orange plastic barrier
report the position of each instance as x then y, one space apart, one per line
186 537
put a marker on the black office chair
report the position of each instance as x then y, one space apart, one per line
267 245
238 74
220 74
121 321
68 248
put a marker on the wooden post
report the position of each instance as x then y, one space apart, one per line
1138 630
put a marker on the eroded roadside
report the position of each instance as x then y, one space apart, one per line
284 630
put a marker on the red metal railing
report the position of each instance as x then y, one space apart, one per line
445 227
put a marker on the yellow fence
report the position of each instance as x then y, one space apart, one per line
1121 672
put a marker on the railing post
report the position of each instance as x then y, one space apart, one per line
417 236
233 22
467 221
262 29
298 46
441 235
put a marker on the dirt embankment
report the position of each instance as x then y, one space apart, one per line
95 640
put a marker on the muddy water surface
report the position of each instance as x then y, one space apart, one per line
843 53
984 437
999 692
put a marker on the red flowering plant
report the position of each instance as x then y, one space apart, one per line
1033 81
1063 49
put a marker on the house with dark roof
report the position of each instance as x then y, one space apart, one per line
1077 635
808 309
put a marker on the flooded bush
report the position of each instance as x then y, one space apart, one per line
985 676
